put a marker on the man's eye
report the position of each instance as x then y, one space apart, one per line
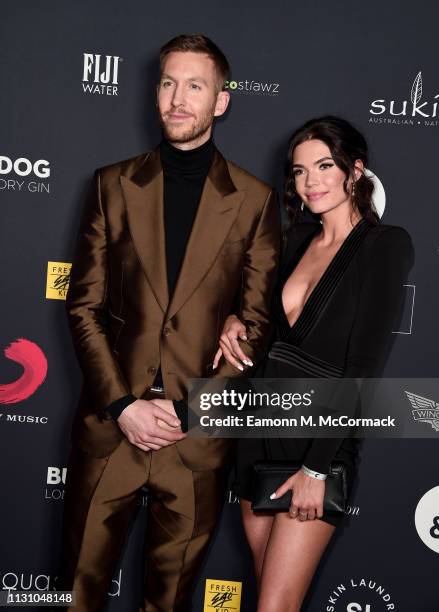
195 86
166 83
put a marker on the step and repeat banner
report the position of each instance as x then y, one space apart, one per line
78 92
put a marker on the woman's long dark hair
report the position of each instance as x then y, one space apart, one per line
346 145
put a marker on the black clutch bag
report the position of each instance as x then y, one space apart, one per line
269 475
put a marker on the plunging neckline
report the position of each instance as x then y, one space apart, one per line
323 280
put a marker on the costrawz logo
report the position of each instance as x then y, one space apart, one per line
411 112
257 88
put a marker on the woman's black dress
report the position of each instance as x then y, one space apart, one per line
345 329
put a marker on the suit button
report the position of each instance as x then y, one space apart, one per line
166 331
152 371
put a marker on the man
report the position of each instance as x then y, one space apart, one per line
170 244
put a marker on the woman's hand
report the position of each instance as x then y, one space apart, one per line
229 345
308 494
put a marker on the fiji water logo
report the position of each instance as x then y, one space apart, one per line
100 75
413 111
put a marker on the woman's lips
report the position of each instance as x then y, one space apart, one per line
312 197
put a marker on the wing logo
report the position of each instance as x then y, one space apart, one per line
425 410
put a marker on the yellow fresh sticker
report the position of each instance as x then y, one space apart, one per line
58 277
222 595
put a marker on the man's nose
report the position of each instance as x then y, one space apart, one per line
178 98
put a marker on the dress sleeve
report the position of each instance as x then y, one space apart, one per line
379 312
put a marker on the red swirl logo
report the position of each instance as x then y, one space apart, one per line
34 363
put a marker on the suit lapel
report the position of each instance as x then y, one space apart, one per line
143 194
218 208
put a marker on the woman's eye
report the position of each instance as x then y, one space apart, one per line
296 172
324 166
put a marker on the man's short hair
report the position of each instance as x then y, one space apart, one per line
198 43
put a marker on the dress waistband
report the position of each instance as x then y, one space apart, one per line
293 355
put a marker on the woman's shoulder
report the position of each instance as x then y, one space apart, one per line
384 236
386 246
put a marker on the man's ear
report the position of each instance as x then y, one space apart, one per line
222 102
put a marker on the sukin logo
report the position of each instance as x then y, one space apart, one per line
424 410
359 595
253 87
100 75
24 168
411 112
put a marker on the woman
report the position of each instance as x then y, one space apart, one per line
336 303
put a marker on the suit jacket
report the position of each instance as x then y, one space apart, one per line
122 321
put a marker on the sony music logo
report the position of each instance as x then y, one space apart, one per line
100 74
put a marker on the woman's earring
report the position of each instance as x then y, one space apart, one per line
302 206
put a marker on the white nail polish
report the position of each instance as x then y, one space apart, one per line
273 496
241 368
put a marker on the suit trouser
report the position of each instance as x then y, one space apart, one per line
100 502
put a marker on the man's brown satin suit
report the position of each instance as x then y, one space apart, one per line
124 326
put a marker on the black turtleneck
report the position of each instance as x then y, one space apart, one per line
184 173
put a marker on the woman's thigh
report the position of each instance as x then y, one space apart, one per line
292 554
257 529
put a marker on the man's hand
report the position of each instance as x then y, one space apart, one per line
140 422
168 406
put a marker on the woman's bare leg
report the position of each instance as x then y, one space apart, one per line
292 555
257 530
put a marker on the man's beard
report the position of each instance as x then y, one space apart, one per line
198 129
